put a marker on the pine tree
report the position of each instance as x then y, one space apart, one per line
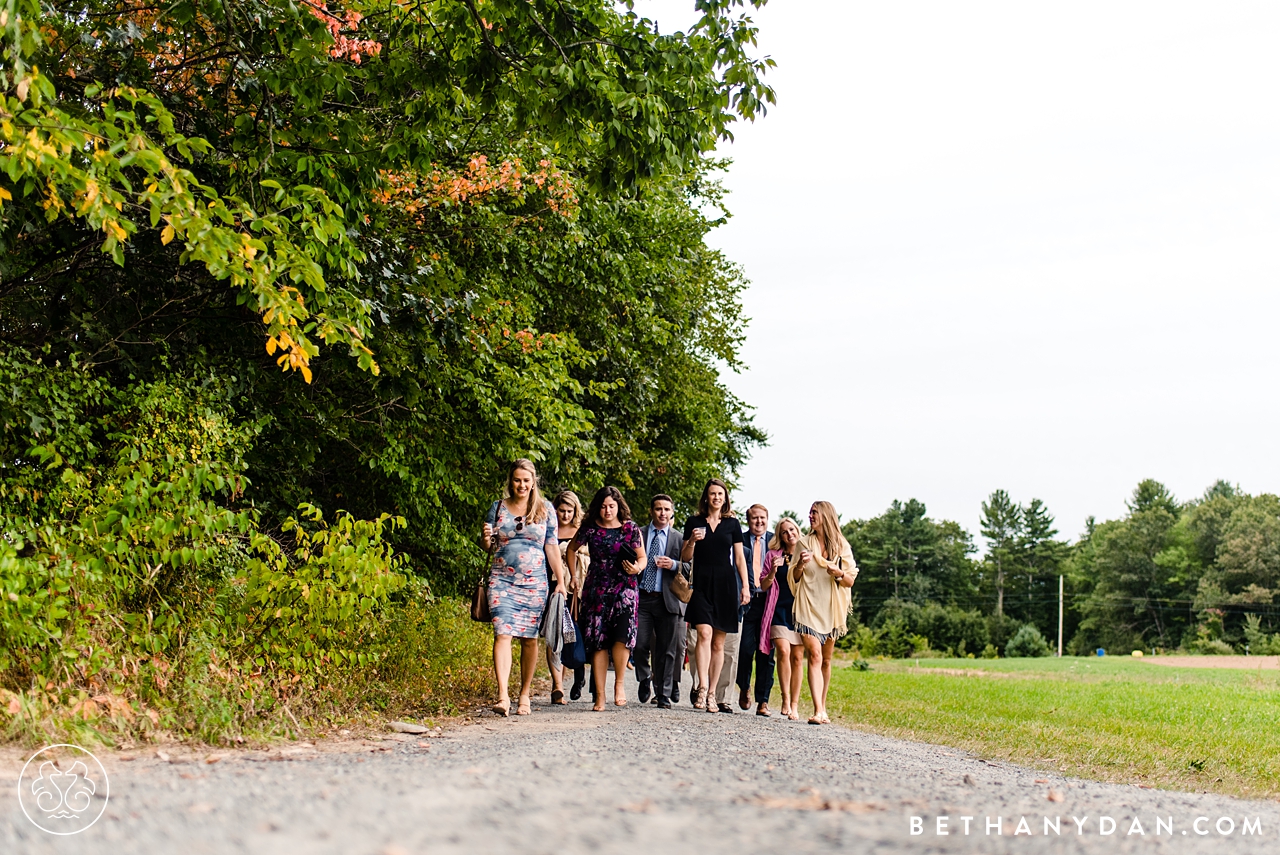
1002 527
1041 555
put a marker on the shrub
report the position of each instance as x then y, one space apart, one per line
140 592
1001 628
1026 642
944 627
1260 644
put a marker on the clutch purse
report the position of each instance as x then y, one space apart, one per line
627 552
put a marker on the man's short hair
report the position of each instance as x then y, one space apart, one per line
758 507
661 497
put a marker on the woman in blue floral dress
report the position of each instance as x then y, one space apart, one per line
521 532
610 593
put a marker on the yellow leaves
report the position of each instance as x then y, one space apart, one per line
293 356
112 228
5 195
166 235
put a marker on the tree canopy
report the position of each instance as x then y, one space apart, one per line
402 243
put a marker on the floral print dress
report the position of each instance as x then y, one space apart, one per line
518 580
610 597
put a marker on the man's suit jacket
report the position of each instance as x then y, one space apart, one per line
675 543
747 550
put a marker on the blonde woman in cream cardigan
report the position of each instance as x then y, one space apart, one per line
821 580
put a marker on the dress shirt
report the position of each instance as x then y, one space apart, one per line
758 549
651 578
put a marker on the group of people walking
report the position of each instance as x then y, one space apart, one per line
727 601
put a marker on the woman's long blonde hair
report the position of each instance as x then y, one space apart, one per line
535 509
570 498
831 538
777 534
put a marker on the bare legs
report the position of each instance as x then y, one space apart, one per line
828 650
790 671
600 669
557 673
502 670
817 685
710 658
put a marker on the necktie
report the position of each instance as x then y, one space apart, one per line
757 557
649 579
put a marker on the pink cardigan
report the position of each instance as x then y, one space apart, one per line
770 603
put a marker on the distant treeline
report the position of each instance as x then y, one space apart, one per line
1199 576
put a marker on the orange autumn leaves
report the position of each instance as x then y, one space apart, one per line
414 193
344 46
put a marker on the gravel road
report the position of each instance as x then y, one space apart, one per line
636 779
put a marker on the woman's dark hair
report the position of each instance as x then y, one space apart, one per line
593 510
704 505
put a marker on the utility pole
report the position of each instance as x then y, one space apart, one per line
1059 615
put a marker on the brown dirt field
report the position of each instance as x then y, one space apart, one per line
1246 662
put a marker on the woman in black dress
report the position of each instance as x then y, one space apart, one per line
713 541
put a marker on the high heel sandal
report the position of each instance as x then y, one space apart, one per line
557 697
525 707
502 707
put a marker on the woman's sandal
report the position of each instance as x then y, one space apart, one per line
619 703
793 715
524 708
700 699
502 708
557 697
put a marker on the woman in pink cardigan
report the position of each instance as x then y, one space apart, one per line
779 616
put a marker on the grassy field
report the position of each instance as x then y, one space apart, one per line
1109 719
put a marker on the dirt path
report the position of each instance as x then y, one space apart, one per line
638 779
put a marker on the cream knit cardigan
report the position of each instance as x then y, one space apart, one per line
822 604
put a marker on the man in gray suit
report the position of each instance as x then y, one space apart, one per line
660 635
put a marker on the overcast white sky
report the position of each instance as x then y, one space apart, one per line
1010 245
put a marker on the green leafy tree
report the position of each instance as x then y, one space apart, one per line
474 233
1139 572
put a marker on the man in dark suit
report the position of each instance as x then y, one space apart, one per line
660 635
755 546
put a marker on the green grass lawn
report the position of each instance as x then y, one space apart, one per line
1110 719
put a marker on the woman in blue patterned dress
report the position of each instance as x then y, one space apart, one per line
521 531
610 593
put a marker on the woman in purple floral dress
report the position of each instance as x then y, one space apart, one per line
610 593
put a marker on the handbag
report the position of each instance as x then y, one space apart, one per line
681 584
574 653
480 596
480 601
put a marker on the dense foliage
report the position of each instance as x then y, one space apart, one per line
283 287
